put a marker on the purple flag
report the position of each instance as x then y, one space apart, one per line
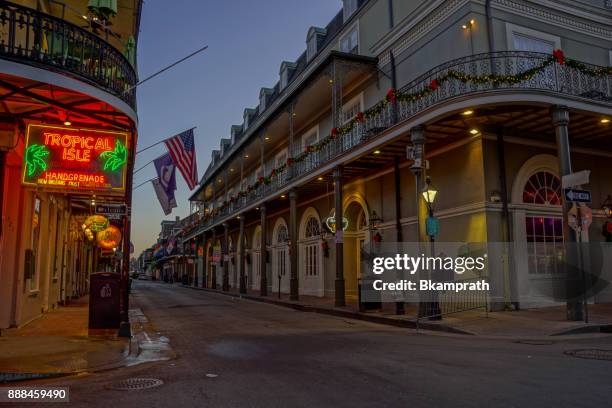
166 172
165 184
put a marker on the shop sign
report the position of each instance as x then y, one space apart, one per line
72 159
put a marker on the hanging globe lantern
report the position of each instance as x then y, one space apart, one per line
109 238
95 223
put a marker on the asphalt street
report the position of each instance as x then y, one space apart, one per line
240 353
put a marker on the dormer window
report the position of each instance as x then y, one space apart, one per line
235 131
350 6
313 40
311 47
264 99
285 69
248 112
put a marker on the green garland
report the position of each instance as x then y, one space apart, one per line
393 96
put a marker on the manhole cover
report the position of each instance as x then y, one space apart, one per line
134 384
591 354
535 342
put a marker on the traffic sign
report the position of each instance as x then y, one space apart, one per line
113 211
572 219
586 217
575 179
577 196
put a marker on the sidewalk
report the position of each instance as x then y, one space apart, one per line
57 344
530 323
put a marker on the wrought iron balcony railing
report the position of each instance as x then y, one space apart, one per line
564 80
35 38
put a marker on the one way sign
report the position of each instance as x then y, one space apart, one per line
577 196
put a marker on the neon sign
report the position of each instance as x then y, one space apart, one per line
75 159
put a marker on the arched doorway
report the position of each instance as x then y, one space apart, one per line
356 240
255 277
538 231
280 256
310 256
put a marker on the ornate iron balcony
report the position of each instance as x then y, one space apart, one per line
38 39
469 76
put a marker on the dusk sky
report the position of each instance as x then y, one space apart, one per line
247 42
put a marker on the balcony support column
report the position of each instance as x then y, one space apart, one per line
242 199
560 119
399 306
336 76
291 113
339 283
242 256
203 259
263 261
213 274
225 252
293 245
418 139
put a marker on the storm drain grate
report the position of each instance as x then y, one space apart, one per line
591 354
135 384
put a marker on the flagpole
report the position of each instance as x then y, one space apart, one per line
145 165
165 69
162 141
143 183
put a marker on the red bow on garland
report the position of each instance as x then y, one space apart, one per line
559 56
391 97
434 84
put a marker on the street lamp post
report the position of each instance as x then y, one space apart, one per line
429 195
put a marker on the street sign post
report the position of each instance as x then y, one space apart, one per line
577 196
575 179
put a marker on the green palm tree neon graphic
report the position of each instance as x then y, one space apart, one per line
36 156
114 159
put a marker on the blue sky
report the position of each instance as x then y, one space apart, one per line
247 41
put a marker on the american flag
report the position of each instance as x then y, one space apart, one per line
182 150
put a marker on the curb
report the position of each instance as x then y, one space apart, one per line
586 329
409 324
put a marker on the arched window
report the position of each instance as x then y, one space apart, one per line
544 232
282 236
312 228
542 188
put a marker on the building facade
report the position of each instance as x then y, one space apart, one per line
67 76
490 101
